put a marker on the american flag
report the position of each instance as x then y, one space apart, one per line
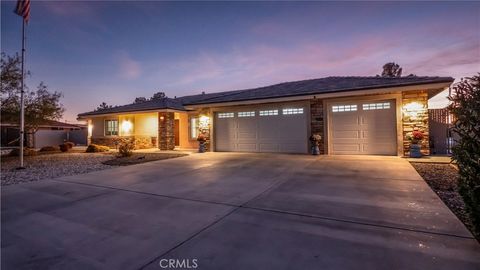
23 9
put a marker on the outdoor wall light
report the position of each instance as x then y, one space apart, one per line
203 122
412 109
127 126
162 118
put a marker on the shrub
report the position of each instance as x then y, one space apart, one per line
125 148
26 152
94 148
70 145
49 149
465 108
64 147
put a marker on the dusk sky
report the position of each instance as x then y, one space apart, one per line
94 51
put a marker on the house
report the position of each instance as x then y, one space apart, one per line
353 115
49 133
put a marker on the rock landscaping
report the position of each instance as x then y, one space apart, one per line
48 165
51 166
443 179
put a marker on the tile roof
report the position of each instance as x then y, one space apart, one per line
156 104
286 89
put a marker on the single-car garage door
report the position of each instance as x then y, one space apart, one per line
367 127
262 129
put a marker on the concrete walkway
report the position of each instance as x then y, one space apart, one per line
236 211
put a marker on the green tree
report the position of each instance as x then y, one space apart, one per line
465 108
140 100
391 70
103 106
40 105
158 95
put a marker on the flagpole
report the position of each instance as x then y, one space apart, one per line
22 102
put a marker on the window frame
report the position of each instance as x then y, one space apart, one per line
246 114
107 133
293 111
191 118
344 108
268 112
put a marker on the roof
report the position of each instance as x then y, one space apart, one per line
315 86
154 104
286 89
49 124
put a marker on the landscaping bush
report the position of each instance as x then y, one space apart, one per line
49 149
26 152
95 148
70 145
126 147
465 108
64 147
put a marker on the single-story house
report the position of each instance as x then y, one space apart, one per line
49 133
353 115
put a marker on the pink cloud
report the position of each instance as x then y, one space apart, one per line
128 68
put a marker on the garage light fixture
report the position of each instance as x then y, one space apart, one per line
412 109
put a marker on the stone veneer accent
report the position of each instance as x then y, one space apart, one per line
317 121
420 121
140 142
206 131
166 130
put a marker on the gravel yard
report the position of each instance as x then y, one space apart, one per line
51 166
443 179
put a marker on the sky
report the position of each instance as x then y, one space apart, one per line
114 51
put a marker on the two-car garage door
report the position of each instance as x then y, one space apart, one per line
262 129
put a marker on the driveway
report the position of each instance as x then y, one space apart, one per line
236 211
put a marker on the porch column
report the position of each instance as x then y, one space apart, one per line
166 136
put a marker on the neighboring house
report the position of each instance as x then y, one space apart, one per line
353 115
50 133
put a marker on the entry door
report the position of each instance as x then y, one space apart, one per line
281 128
367 127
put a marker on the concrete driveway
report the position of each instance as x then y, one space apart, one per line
236 211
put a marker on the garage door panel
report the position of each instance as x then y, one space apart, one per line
246 147
370 131
268 147
346 134
346 147
269 131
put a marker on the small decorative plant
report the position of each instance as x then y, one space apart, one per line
202 139
64 147
95 148
315 141
125 148
416 137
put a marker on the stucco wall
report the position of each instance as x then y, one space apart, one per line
185 141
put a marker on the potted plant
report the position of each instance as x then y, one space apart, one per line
202 141
315 141
415 146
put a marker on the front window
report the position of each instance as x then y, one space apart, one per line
111 127
194 128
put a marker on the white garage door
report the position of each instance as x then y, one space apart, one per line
367 127
262 129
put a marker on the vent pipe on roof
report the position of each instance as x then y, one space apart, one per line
203 92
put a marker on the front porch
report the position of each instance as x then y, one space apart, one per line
164 130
